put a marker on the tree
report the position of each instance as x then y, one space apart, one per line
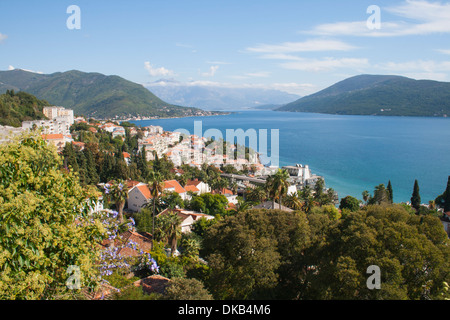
117 193
293 201
278 185
44 223
156 188
411 251
186 289
380 195
366 196
415 199
447 197
350 203
390 192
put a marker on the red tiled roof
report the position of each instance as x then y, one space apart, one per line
191 188
52 136
153 284
145 191
195 182
174 184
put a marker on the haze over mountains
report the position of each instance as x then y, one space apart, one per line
93 94
378 95
210 97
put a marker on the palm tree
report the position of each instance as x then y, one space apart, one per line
293 201
279 185
366 196
173 231
118 194
156 185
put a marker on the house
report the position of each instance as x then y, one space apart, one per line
200 185
58 140
269 205
175 186
79 145
130 243
127 158
188 218
138 196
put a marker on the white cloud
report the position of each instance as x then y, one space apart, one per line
429 17
10 68
157 72
326 64
305 46
3 37
212 71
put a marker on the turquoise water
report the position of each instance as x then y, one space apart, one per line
353 153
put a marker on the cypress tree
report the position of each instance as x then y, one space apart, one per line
415 199
447 197
390 192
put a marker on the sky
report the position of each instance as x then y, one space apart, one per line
295 46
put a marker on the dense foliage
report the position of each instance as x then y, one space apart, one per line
18 107
42 209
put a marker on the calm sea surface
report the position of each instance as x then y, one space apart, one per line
353 153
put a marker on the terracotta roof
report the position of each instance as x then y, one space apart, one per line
174 184
195 182
153 284
191 188
52 136
131 183
126 155
142 239
143 188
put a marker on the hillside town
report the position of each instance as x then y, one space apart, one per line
192 185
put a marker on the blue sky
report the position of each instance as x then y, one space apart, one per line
295 46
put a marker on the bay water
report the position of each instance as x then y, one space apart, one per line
352 153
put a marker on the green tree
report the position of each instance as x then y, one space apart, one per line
186 289
390 192
278 185
117 193
415 199
366 196
44 225
349 203
156 185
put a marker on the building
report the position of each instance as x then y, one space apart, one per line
188 218
201 186
55 126
59 113
8 133
58 140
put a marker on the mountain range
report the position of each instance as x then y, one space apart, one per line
215 97
378 95
93 94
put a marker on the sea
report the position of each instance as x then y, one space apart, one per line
352 153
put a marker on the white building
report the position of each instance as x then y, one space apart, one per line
59 113
48 126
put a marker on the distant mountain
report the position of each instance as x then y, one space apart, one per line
217 98
93 94
378 95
